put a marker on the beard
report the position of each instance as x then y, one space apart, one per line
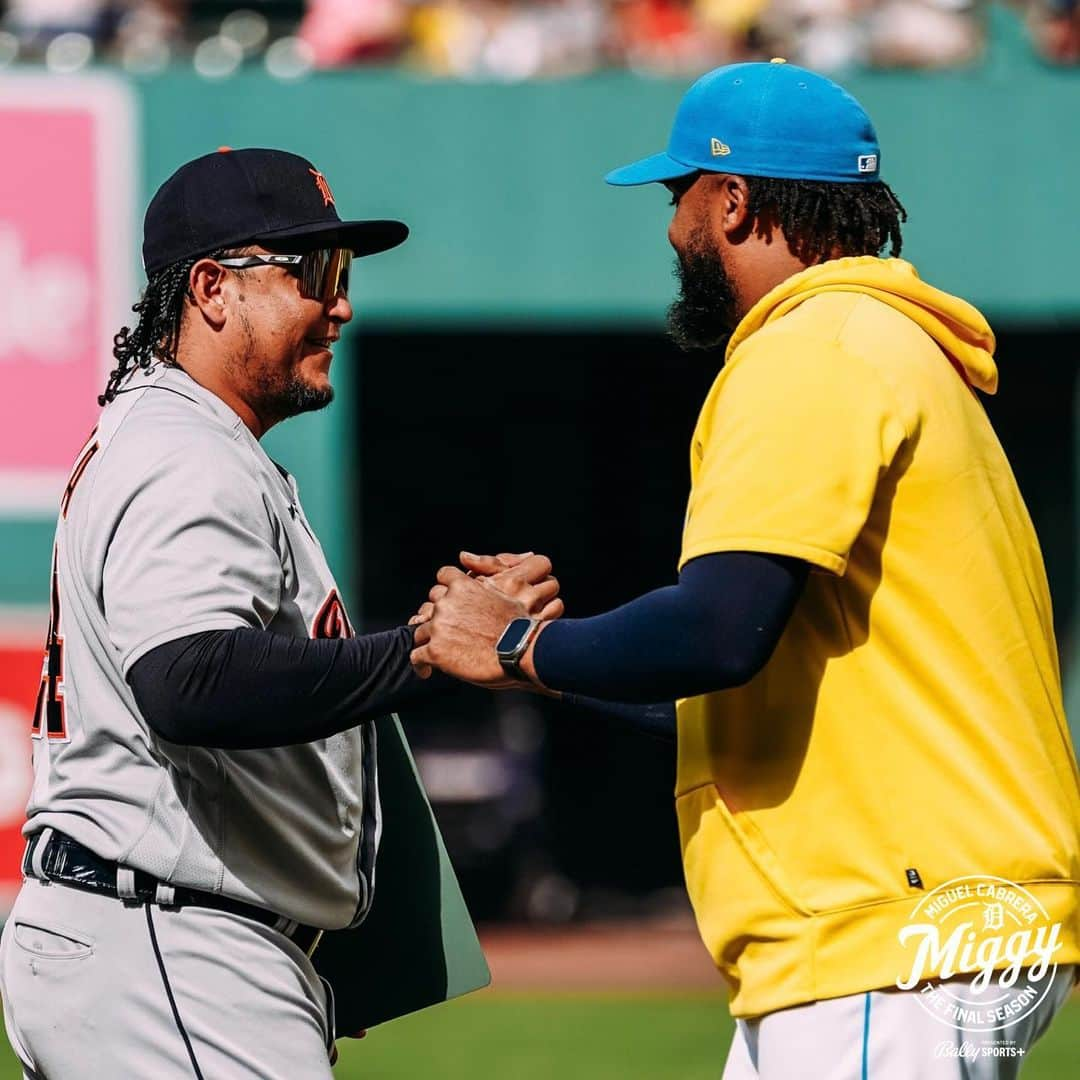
277 395
703 314
291 396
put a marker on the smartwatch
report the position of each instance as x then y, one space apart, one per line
513 643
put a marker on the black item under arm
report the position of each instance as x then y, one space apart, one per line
248 689
713 630
656 719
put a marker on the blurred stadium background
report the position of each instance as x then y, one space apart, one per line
506 385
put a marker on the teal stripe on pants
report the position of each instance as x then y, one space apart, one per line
866 1038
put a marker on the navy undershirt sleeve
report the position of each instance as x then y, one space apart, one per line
247 689
713 630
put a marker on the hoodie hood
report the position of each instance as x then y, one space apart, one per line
958 328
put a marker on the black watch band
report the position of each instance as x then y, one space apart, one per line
512 645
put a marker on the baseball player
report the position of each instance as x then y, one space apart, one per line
860 644
205 799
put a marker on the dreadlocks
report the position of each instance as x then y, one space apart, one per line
155 336
826 220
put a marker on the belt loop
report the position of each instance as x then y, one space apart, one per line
125 883
37 858
164 895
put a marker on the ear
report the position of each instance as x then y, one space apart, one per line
206 291
730 200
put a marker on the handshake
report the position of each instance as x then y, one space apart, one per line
468 609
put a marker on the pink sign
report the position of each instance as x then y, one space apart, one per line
66 252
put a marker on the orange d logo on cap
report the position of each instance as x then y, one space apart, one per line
323 186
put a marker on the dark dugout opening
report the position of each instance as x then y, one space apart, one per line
576 445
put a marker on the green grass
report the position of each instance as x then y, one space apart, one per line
587 1037
556 1037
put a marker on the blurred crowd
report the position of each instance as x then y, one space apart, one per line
517 39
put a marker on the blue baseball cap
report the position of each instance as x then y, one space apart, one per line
764 119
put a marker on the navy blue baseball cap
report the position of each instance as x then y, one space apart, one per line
764 119
253 196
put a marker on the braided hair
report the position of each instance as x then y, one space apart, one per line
155 336
823 220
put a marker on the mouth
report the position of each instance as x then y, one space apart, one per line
322 342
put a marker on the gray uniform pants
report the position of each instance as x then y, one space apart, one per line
87 993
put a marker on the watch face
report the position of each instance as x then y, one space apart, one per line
512 635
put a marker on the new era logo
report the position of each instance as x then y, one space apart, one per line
719 149
868 163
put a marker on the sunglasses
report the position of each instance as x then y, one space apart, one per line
323 273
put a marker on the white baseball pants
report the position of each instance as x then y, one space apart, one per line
884 1035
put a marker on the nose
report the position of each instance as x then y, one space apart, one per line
339 309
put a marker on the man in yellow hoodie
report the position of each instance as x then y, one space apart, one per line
877 797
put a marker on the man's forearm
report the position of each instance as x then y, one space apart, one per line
248 689
715 629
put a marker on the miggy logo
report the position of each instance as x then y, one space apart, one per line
982 953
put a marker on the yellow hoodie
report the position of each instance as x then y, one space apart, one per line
909 729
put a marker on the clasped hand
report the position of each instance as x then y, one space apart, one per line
468 609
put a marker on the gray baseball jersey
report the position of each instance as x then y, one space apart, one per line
175 521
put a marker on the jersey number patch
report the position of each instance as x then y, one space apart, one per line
49 714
